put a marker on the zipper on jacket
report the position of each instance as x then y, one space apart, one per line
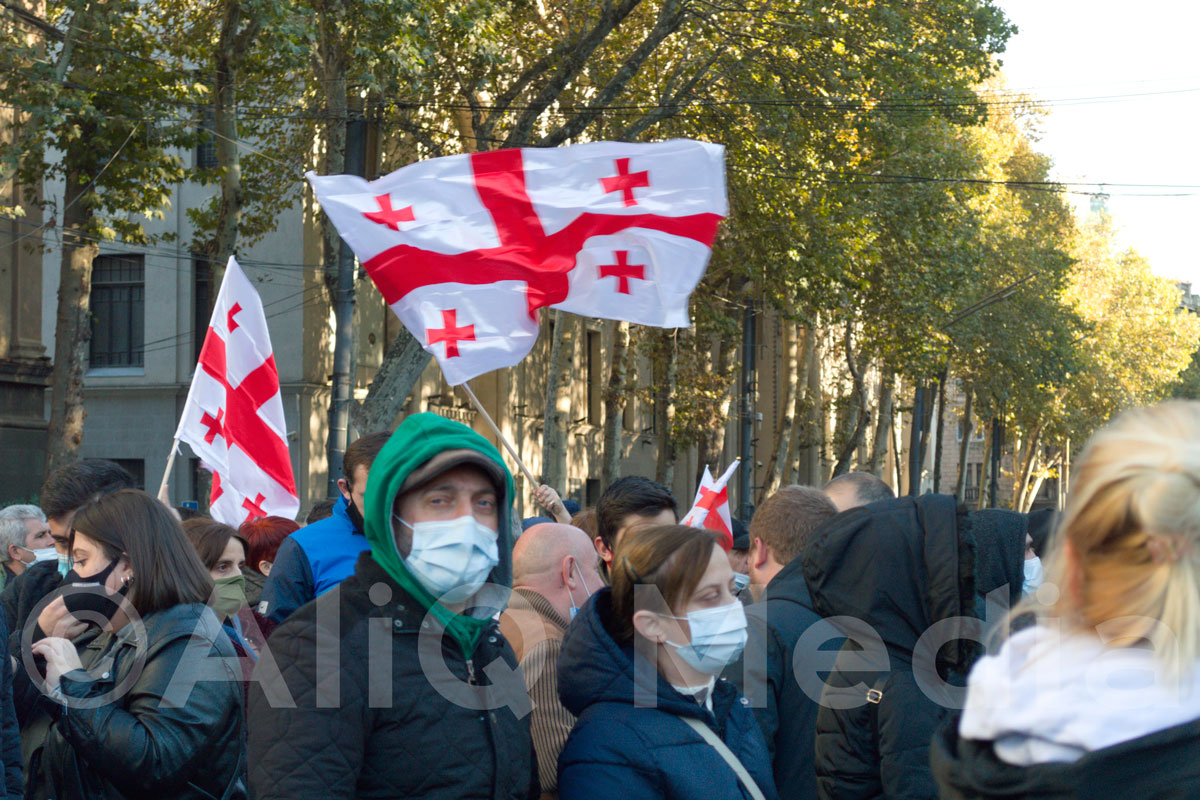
471 671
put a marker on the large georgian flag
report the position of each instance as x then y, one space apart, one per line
711 507
233 417
466 249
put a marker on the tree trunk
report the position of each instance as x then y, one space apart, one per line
777 466
712 441
1027 465
811 471
333 65
803 368
861 416
940 445
666 367
402 366
986 469
232 45
960 490
614 405
72 326
558 403
1036 485
883 426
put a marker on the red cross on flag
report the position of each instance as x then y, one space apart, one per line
233 417
711 507
467 248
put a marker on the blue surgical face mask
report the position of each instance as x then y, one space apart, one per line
40 554
452 558
64 564
740 581
571 595
718 638
1033 575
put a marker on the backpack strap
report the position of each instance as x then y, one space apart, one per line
710 736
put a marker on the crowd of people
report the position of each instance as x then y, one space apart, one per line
415 640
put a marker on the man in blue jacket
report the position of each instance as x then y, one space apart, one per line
318 557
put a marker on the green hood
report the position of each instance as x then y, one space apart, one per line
419 438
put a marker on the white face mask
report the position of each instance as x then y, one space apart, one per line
1033 575
740 581
571 595
452 558
41 554
718 638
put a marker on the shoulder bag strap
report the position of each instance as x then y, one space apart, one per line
710 736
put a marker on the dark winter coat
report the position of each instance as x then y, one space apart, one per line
786 703
898 566
627 750
140 744
22 594
380 733
1161 766
10 733
999 558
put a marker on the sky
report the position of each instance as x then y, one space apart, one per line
1123 85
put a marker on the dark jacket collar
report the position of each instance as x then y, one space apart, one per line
789 585
593 668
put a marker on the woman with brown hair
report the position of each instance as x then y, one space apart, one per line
638 669
147 703
222 550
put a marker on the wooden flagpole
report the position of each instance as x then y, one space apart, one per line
512 451
162 489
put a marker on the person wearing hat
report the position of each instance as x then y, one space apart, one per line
739 561
397 683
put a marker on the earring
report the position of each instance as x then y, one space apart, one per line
126 580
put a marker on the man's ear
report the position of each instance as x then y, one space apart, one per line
759 554
264 567
566 571
14 553
345 487
650 626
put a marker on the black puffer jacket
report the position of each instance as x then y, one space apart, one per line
1161 766
141 744
899 567
373 724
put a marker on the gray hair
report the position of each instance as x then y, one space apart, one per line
12 527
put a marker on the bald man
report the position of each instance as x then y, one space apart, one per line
554 573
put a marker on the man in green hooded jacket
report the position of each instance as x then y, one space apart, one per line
398 684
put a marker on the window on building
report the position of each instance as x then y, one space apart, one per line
206 148
976 431
595 393
118 310
201 302
135 467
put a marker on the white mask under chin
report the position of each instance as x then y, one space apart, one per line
452 558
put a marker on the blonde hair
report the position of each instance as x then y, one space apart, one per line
1126 555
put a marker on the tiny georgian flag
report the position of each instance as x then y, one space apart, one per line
711 506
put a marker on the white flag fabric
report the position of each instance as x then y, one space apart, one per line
466 249
711 507
233 417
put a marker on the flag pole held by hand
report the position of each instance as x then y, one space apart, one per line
162 489
512 451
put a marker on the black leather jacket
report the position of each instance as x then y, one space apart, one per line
165 722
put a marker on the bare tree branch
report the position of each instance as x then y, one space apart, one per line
573 61
670 17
